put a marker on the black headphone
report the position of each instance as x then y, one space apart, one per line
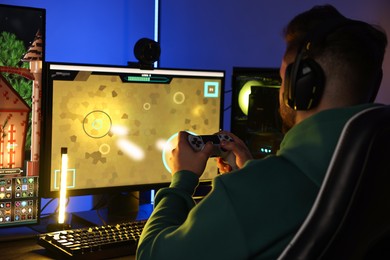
304 78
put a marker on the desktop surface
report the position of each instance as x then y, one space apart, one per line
21 242
28 248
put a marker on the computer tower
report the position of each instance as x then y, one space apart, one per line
255 109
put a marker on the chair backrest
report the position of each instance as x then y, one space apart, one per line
350 218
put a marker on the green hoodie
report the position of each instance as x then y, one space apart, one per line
251 213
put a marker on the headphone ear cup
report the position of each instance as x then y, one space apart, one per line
376 87
308 86
288 94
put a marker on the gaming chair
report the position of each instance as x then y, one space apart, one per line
350 218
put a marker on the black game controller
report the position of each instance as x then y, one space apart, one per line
198 142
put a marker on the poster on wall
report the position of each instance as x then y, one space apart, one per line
22 34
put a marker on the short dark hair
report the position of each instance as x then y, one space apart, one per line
355 52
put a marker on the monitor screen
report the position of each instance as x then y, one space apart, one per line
21 55
255 109
119 124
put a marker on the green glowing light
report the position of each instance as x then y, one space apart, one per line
243 96
138 78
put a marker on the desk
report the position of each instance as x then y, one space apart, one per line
21 243
28 248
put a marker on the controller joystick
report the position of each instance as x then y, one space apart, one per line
197 142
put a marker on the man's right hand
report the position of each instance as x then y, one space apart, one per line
238 148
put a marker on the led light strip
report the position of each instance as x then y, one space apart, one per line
63 178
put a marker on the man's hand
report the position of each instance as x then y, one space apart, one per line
183 157
238 148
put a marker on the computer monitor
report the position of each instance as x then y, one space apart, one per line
22 37
255 109
119 124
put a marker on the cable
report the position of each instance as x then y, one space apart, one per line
227 108
47 204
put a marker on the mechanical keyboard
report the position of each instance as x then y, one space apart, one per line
94 242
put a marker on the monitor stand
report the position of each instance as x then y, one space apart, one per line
123 207
110 208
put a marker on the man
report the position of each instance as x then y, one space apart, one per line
253 212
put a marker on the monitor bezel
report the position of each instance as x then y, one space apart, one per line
45 190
